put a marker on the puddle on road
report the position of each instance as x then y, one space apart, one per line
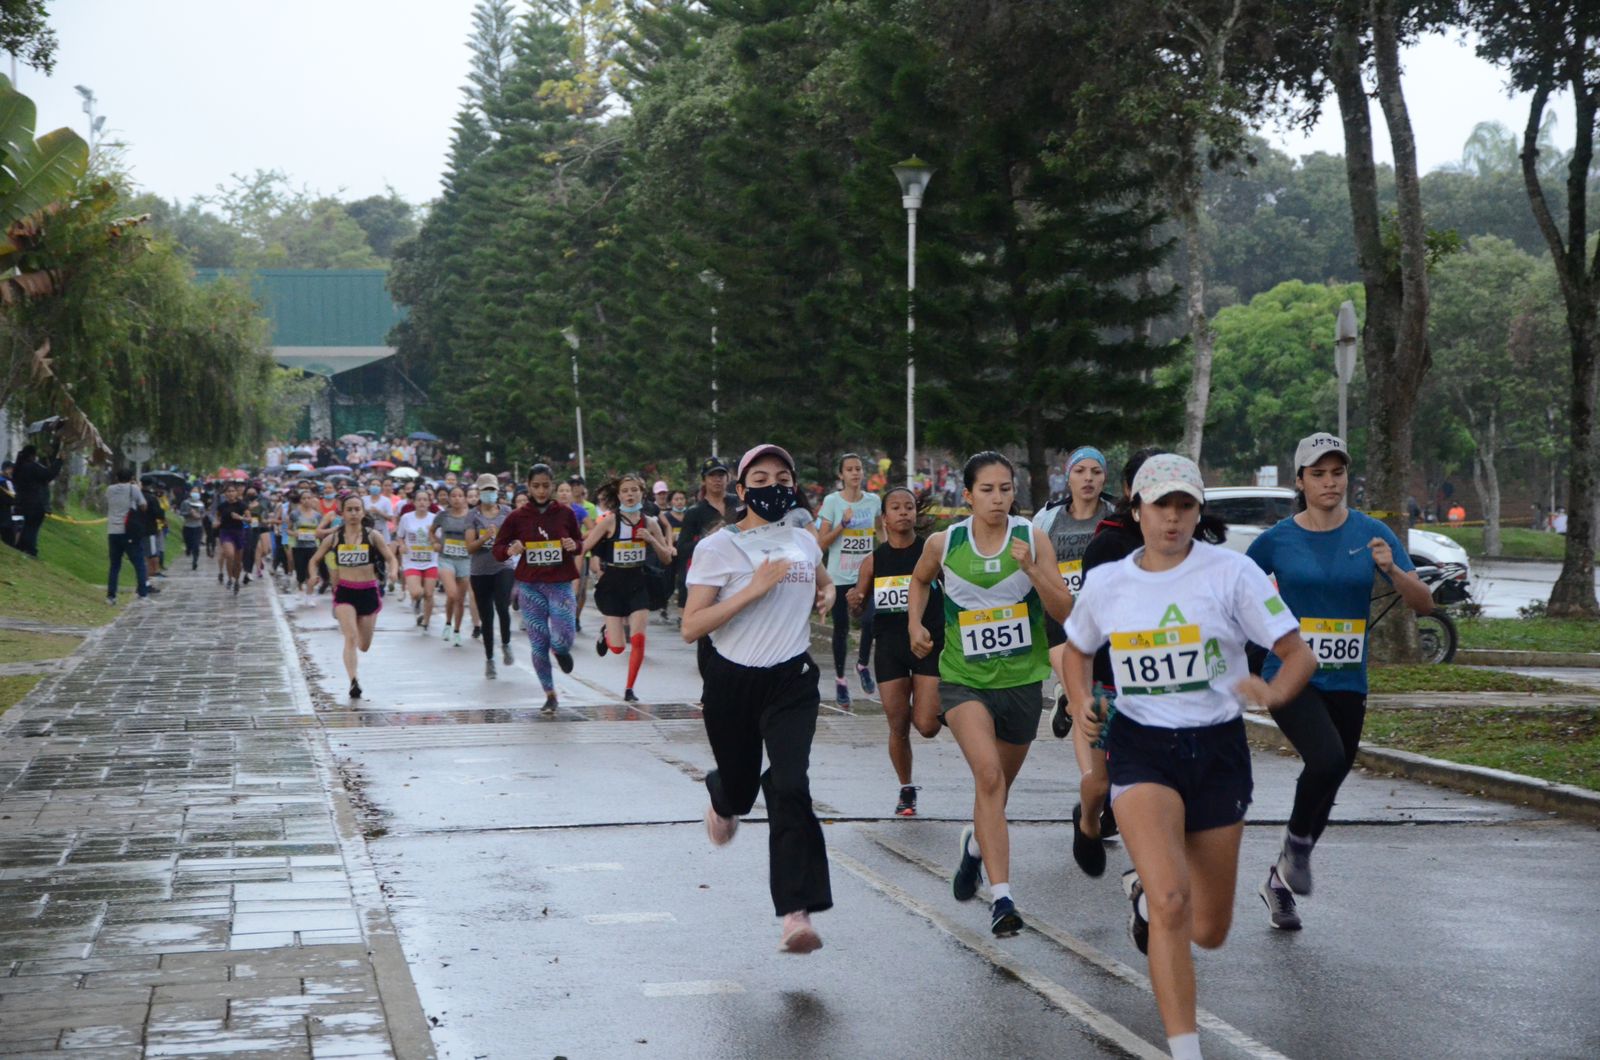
356 718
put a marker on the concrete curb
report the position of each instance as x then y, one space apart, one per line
1564 799
1490 657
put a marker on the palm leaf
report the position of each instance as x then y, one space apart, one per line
37 175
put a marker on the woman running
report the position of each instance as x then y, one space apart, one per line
491 579
616 546
1323 558
1177 615
1000 579
304 519
908 684
354 546
752 590
233 531
677 506
847 529
544 534
449 541
1071 524
415 534
573 493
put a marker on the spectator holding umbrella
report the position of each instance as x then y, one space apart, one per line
31 482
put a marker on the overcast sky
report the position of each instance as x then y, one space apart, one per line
348 96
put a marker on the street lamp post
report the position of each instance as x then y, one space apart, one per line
1344 362
713 281
913 175
89 100
571 335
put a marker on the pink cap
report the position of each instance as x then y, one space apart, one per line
660 486
764 450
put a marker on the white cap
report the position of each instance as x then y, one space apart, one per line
1316 446
1167 473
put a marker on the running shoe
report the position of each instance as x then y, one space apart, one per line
628 696
1090 854
1294 865
1280 902
907 806
549 703
247 579
458 638
1138 920
419 617
219 577
564 660
600 647
236 588
505 654
488 669
1060 720
477 631
1108 823
111 601
841 694
799 937
864 675
1004 920
355 689
720 829
447 632
964 884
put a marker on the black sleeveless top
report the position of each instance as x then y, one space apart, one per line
891 578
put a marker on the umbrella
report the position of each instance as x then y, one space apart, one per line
275 469
422 436
169 477
368 434
404 472
301 450
336 469
49 423
298 469
352 439
381 465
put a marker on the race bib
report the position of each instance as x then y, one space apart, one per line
1155 662
542 553
353 556
455 548
892 595
996 633
419 540
1338 643
306 537
854 548
627 554
1072 573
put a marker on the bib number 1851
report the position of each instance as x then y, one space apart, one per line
995 633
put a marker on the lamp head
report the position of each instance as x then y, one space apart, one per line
913 175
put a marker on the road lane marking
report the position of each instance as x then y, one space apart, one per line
1095 956
587 866
630 918
691 988
1102 1025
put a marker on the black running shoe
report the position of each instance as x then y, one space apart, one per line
600 647
1108 822
564 660
1060 720
907 806
1280 902
628 696
1138 922
477 631
355 689
964 884
1004 920
549 703
1090 854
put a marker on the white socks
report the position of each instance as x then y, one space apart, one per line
972 845
1000 890
1185 1046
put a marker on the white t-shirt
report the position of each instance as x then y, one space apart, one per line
776 627
1178 636
382 509
414 529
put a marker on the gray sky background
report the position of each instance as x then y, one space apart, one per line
347 96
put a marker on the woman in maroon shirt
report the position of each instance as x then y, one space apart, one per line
545 535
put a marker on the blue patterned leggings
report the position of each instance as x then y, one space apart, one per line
549 611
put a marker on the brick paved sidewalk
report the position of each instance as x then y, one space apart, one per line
180 873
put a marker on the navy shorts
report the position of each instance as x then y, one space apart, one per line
1208 767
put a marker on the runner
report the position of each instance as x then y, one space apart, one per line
847 529
193 510
356 602
449 540
1071 523
545 534
907 684
752 590
1000 579
715 509
211 496
677 505
577 497
421 573
1323 558
1177 615
491 579
659 582
233 525
616 546
303 523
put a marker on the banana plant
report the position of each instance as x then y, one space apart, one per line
34 174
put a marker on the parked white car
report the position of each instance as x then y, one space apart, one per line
1250 510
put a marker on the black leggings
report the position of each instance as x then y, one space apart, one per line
841 630
1325 727
493 594
302 564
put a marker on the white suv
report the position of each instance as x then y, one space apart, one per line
1250 510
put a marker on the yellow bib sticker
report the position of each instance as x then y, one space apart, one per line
542 553
1156 662
995 633
1072 573
1338 643
627 554
455 548
892 595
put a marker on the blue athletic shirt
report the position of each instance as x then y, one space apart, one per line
1327 575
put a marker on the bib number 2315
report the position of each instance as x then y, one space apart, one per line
995 633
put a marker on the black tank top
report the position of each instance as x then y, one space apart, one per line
891 581
631 554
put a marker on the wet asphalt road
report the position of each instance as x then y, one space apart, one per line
1503 587
555 894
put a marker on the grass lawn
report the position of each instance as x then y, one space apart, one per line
1530 634
80 550
38 590
1515 542
20 646
1451 678
13 688
1559 745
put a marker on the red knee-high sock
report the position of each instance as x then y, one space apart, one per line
616 649
635 657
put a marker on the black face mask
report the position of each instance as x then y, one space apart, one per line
771 503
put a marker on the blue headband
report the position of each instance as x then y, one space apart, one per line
1087 452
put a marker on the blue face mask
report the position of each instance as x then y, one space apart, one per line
374 490
489 496
632 509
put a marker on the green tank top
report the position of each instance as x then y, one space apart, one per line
993 618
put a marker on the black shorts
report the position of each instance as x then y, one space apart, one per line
1055 634
894 660
621 592
366 601
1209 767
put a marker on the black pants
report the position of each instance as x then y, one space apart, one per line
1325 728
302 565
745 707
28 541
493 594
191 544
131 546
841 630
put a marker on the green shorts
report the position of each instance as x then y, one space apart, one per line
1016 711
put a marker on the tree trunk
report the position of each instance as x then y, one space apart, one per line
1486 479
1194 415
394 401
1038 470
